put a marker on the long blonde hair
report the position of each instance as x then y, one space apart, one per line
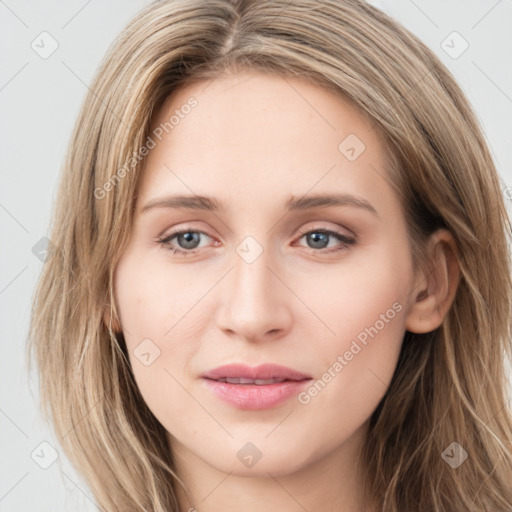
449 386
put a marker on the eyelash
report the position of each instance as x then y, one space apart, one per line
347 242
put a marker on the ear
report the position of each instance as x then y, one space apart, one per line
435 289
110 320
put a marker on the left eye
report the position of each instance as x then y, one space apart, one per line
189 239
320 239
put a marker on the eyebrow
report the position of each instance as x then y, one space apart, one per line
195 202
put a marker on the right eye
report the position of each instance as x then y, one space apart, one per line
187 239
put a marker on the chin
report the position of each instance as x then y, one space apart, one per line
257 459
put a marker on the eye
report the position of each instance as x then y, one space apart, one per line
320 238
188 240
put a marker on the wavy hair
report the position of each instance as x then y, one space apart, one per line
450 385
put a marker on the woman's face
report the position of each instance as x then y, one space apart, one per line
269 271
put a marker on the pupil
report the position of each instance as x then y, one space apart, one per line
315 237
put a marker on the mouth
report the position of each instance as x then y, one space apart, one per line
263 387
257 382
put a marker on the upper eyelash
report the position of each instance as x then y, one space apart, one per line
342 238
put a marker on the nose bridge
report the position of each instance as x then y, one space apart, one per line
251 279
253 304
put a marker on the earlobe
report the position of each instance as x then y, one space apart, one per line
435 290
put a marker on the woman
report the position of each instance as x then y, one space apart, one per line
282 275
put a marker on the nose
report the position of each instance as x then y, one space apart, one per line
257 304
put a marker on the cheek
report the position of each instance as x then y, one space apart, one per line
161 318
362 307
154 297
353 295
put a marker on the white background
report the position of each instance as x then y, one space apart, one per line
39 101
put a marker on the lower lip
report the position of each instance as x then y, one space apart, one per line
254 397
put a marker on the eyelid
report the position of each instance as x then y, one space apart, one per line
340 231
336 230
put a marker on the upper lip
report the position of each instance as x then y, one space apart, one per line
264 371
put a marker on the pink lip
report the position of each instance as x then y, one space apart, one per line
254 396
264 371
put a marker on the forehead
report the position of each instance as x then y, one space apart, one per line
254 133
241 103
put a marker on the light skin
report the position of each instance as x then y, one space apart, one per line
252 142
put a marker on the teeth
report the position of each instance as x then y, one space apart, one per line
241 380
259 382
